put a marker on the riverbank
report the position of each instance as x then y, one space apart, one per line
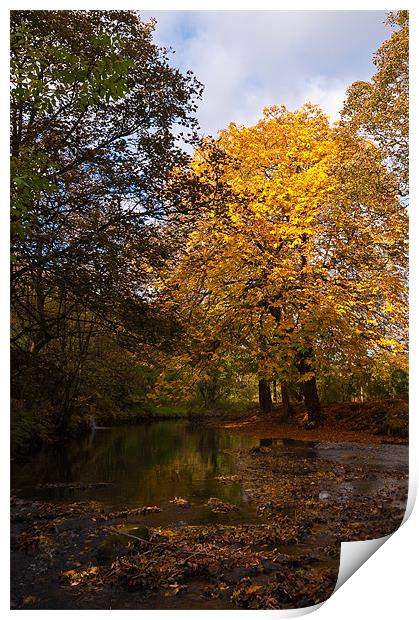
369 422
30 432
384 421
198 552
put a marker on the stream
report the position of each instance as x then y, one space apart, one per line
289 502
151 464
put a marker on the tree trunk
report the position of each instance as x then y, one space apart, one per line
208 390
312 403
311 396
287 410
265 399
275 396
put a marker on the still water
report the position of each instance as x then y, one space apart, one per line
144 465
151 464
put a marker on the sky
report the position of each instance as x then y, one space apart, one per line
251 59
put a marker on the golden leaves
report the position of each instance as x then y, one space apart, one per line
77 577
388 308
306 242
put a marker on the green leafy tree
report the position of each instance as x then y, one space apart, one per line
93 105
96 111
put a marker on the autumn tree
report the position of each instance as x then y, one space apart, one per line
301 242
379 109
94 103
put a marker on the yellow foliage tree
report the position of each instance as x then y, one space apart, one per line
301 240
379 109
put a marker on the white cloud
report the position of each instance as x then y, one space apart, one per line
328 94
251 59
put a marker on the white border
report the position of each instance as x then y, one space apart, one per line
386 585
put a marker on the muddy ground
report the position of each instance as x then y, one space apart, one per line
78 556
381 421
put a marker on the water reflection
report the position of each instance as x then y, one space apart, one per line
150 464
146 464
